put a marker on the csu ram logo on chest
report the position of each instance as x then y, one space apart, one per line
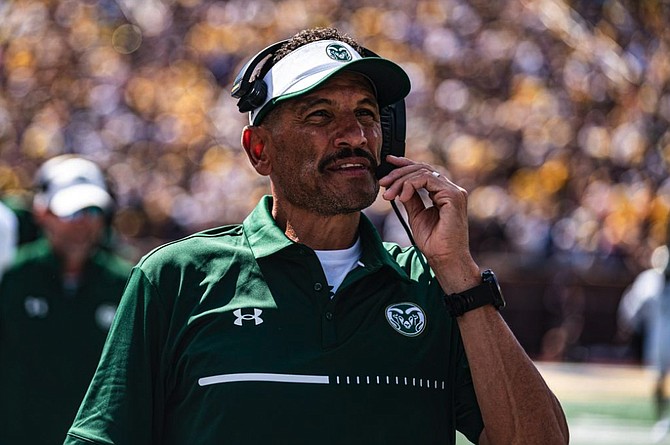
406 318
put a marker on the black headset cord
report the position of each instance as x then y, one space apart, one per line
403 222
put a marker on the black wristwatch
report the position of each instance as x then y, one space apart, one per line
486 293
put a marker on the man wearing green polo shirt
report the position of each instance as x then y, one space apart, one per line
300 326
57 302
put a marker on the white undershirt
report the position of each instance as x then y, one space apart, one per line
337 264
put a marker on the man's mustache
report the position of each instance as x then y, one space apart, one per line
344 154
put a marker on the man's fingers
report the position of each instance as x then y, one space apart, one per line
414 203
420 176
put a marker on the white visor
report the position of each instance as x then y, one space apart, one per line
77 197
69 183
310 65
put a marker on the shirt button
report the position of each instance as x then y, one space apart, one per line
329 316
318 286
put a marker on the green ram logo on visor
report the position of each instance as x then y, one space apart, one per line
338 52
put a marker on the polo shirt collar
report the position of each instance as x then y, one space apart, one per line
374 254
266 238
264 235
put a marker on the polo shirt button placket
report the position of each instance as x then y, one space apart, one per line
328 329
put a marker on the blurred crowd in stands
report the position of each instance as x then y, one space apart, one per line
552 114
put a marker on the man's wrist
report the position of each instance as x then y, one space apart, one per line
457 278
487 292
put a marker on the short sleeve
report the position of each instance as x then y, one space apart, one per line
123 404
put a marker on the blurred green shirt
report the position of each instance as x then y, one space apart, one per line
229 337
50 340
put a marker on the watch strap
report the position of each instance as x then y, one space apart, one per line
473 298
488 292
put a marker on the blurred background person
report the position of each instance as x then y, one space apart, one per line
57 302
635 312
9 230
644 319
20 204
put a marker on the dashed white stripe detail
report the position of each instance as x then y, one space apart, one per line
392 380
264 377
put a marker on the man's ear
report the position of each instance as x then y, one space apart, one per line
254 142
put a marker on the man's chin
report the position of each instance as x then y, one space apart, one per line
349 205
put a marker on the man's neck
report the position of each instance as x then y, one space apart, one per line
73 261
317 231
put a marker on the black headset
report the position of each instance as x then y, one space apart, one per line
251 90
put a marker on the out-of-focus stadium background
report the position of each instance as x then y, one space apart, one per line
553 114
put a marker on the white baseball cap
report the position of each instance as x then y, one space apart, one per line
310 65
68 184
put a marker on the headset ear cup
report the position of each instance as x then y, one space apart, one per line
254 98
248 86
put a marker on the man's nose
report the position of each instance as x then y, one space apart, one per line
351 133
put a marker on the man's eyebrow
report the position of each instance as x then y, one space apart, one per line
305 103
369 101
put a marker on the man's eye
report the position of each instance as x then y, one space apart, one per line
367 113
318 113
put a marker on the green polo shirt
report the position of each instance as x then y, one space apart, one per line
51 339
229 337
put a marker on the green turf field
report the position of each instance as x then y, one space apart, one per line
605 404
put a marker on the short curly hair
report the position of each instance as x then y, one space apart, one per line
313 35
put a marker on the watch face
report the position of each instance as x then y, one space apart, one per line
489 277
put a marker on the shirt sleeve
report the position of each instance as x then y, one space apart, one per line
123 404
